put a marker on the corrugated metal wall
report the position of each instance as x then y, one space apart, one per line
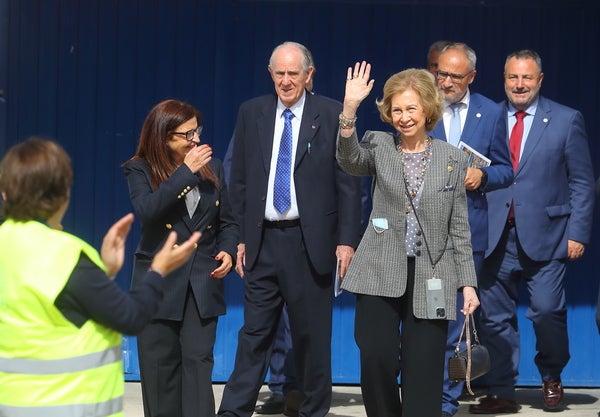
87 71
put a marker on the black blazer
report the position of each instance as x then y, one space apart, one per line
328 198
163 210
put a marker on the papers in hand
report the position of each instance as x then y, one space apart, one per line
476 159
337 290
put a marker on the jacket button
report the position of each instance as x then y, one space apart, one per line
169 226
217 203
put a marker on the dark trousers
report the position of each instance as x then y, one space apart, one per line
422 348
282 376
502 273
283 274
176 364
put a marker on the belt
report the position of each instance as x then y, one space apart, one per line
510 223
281 224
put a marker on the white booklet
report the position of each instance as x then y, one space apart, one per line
337 290
476 159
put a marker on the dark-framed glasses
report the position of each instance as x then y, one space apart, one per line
455 78
190 134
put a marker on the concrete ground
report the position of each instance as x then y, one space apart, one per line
347 402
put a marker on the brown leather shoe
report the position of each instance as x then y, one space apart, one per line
492 404
552 392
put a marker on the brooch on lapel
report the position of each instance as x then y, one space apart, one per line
451 164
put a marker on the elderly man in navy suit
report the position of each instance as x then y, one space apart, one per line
476 121
298 212
538 224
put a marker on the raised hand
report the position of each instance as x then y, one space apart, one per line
113 245
358 87
171 255
197 157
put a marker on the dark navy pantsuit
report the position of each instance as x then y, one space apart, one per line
281 274
504 270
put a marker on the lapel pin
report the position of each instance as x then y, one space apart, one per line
450 168
545 120
478 115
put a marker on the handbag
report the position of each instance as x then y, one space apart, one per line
472 362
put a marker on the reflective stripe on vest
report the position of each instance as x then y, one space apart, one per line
60 366
106 408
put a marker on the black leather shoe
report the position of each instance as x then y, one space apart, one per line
492 404
274 404
552 392
293 401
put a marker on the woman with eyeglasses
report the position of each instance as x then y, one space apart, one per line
175 184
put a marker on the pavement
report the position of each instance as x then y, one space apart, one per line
347 402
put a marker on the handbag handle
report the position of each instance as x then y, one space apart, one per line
466 330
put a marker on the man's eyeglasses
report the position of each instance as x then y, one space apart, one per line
190 134
456 78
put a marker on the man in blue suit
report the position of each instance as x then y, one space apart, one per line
480 125
540 222
287 252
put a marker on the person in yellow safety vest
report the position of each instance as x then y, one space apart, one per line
61 315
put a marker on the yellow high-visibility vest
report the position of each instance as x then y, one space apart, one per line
48 366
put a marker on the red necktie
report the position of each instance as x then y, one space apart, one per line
516 136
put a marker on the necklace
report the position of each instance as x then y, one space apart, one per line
401 149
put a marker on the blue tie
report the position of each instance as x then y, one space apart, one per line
281 186
454 131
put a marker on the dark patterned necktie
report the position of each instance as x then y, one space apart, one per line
281 185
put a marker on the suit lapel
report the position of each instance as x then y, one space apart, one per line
473 119
438 131
265 126
539 124
309 127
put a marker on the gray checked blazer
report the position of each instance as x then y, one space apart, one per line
379 266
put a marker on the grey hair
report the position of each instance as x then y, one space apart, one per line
438 46
468 51
307 59
525 54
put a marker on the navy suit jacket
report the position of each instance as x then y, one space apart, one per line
328 198
553 187
485 131
163 210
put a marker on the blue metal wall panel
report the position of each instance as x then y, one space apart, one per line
87 71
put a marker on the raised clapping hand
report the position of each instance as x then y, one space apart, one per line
358 87
171 256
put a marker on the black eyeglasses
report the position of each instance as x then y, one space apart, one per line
190 134
456 78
